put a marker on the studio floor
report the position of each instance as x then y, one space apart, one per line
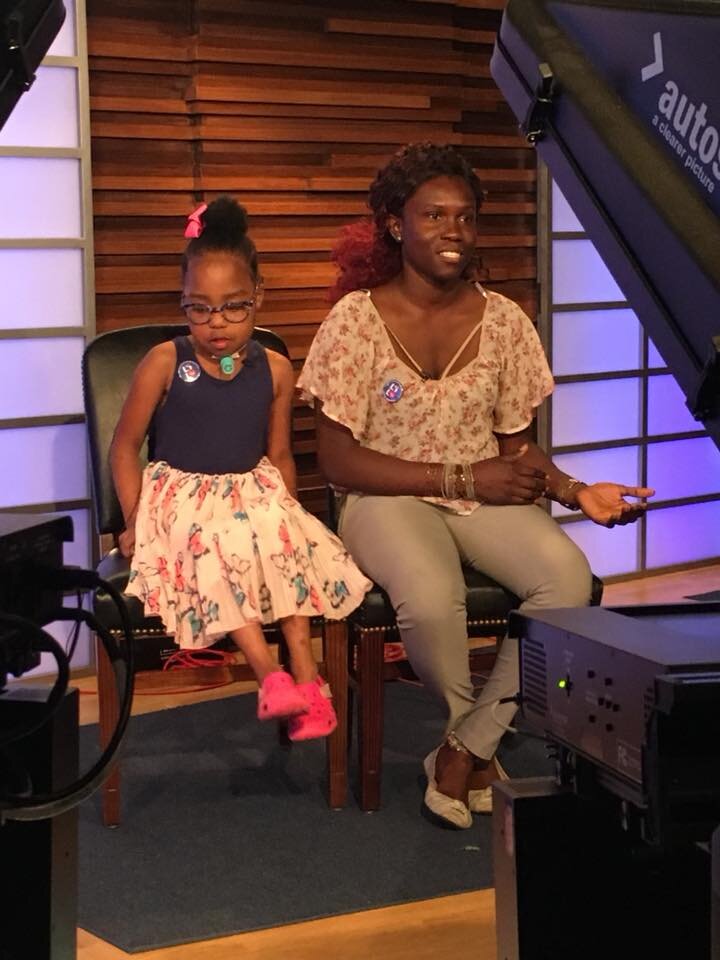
439 929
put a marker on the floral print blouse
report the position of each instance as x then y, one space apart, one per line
354 371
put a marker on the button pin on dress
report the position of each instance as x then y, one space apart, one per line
188 371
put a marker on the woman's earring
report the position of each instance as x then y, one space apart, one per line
396 235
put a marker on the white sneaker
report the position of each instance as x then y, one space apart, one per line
452 811
480 801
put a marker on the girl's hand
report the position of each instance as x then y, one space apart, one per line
126 542
604 503
506 480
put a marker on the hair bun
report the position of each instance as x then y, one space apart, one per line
221 226
225 216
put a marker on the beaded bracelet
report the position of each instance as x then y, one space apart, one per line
459 481
447 484
469 482
433 479
455 743
564 494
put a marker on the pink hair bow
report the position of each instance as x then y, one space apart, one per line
194 227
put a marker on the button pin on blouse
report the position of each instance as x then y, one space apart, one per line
393 390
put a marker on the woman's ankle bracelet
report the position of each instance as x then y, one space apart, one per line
455 743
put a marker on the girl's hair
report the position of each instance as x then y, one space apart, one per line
223 227
365 253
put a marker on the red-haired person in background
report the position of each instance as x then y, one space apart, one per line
425 387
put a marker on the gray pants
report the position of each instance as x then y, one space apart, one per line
414 550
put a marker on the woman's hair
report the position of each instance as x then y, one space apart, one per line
223 226
365 253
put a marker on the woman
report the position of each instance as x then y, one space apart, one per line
425 387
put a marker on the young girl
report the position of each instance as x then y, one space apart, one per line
219 543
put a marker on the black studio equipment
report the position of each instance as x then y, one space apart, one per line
27 28
619 854
40 783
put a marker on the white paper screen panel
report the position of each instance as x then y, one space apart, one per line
684 468
595 411
41 197
42 287
47 115
683 534
595 341
667 409
580 276
609 552
64 43
43 465
563 216
40 377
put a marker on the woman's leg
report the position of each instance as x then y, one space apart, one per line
524 549
403 543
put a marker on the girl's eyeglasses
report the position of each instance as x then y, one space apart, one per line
234 311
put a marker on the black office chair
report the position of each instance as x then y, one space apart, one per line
108 365
373 624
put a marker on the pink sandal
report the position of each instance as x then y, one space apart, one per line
279 697
320 719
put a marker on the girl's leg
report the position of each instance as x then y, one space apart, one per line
251 641
278 697
296 631
319 718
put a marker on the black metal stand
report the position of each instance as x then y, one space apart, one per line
572 883
38 905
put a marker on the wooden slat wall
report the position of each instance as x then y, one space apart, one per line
291 107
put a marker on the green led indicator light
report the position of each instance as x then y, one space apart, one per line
562 684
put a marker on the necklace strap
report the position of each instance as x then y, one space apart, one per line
460 349
423 373
229 356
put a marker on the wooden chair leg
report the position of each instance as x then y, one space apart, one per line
109 710
283 651
283 737
335 652
350 712
370 653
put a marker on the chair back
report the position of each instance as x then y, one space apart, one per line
109 362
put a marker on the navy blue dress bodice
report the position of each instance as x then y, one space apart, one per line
211 426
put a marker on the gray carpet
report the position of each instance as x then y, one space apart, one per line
225 832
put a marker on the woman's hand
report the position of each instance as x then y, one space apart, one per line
506 479
604 503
